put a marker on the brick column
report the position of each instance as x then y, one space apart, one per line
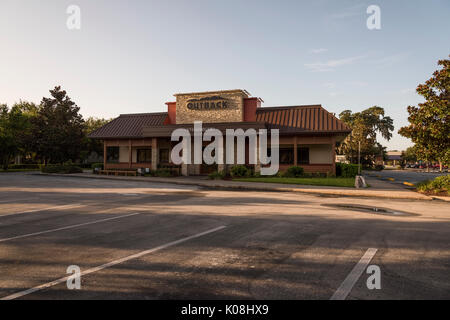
155 157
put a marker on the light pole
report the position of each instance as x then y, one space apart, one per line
359 158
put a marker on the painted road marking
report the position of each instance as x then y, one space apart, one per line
408 184
346 286
109 264
67 206
67 227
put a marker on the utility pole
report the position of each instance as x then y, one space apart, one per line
359 158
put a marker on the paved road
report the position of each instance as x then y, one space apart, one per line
141 241
406 175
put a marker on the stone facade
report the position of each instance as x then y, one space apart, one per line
211 107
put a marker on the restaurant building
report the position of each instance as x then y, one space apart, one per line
308 134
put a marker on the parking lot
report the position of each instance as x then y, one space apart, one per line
407 175
137 240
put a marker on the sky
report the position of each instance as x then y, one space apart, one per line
132 56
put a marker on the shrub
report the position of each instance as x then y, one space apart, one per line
240 171
64 168
164 172
294 172
346 170
437 185
379 167
23 166
217 175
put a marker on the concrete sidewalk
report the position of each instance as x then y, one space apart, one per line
379 189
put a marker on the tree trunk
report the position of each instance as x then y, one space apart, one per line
440 166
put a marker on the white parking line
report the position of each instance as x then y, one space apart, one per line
109 264
346 286
67 206
67 227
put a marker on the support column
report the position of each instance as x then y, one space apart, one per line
155 157
223 167
333 154
104 154
258 163
295 151
129 154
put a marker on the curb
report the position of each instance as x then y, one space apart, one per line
256 187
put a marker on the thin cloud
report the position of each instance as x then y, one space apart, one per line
331 65
316 51
329 85
391 59
350 12
357 83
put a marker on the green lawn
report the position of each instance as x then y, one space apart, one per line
333 182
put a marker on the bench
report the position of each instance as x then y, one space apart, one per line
119 172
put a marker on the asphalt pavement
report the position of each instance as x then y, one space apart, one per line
141 240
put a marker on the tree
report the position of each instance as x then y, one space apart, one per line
429 123
92 145
15 130
58 128
365 125
410 155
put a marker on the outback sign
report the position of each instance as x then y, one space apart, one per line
208 103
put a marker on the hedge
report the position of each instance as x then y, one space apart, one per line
23 166
240 171
346 170
65 169
294 172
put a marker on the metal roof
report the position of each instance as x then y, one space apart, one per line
310 118
129 125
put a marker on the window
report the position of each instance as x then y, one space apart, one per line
164 155
112 154
286 156
303 155
144 155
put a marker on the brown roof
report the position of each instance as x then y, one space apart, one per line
301 119
129 125
312 119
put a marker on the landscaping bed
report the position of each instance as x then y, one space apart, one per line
439 186
293 175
